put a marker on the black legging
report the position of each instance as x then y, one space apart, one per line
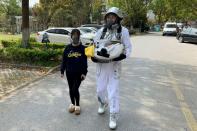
74 81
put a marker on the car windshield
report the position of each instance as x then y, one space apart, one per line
170 26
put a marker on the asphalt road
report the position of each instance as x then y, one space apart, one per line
157 93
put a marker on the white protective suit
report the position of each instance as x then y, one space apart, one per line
108 74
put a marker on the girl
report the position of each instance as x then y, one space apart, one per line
75 63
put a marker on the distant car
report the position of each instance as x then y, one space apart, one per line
188 34
55 35
62 35
170 28
92 25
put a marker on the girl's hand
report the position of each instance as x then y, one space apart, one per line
62 75
83 77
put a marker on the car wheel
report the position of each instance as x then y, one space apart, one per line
163 34
181 39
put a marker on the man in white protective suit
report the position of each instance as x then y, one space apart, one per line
108 72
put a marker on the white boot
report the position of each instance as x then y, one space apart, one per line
113 121
102 107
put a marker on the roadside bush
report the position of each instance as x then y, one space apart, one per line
1 53
37 54
12 43
31 55
49 45
31 39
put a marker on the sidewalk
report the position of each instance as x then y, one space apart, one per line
148 103
13 77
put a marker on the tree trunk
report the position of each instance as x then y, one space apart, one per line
25 23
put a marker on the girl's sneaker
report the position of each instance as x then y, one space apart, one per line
71 108
77 110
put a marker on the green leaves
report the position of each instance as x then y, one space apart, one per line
62 12
37 54
10 7
174 10
134 10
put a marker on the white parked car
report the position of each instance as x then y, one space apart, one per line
62 35
170 28
88 29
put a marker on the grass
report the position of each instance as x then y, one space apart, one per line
4 36
9 37
12 37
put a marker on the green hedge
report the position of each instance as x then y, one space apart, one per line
30 55
11 43
32 44
49 45
38 54
31 39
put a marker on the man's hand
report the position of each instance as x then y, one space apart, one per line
94 59
83 77
62 75
121 57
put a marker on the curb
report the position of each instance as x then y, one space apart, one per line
29 82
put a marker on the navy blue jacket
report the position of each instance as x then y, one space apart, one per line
74 60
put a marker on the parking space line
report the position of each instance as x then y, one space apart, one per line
191 122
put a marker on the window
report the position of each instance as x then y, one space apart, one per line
62 32
51 31
86 30
171 26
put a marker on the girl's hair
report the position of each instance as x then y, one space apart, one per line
75 31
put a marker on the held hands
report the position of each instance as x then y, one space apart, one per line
62 75
82 76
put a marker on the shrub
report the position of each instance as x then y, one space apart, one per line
29 56
33 44
36 55
9 43
31 39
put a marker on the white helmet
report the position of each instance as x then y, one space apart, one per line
116 11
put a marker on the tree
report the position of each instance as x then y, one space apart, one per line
8 10
135 11
61 18
44 11
174 10
25 23
97 10
66 12
10 7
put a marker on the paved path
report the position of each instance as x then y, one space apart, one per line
155 95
